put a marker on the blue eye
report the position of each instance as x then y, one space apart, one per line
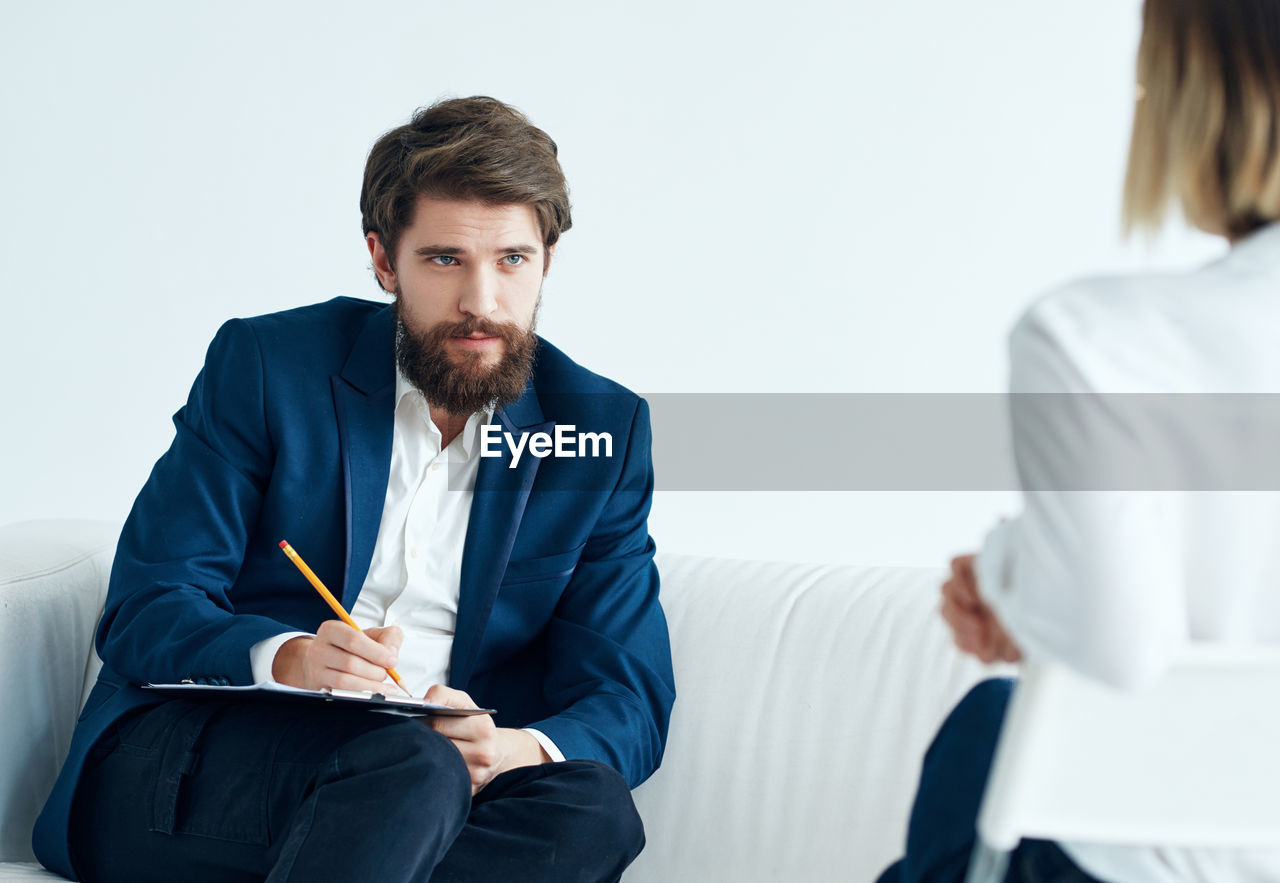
514 260
443 260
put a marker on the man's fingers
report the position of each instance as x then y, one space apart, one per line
463 729
344 659
339 661
391 636
480 757
341 680
439 694
472 728
343 636
477 740
362 645
447 727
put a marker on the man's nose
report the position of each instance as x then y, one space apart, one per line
480 293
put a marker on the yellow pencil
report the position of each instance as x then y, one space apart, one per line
332 602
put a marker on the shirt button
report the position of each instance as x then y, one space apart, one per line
413 553
435 466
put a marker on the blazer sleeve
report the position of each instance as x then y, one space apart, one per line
611 655
167 615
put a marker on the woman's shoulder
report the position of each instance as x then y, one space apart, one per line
1060 340
1150 332
1085 305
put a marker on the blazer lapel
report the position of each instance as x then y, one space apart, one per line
363 398
496 509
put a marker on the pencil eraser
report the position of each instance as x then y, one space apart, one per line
283 543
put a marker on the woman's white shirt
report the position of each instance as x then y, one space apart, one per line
1138 532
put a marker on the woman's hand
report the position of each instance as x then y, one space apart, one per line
974 625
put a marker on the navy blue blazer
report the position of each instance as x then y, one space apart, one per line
287 435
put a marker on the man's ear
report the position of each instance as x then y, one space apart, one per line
381 263
546 268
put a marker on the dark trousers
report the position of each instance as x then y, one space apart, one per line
943 827
199 790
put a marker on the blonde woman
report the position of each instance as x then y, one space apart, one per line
1146 522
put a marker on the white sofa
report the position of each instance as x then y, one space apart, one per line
807 694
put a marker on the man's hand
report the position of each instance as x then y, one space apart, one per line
339 658
974 625
488 750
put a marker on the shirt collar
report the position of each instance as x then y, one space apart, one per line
469 438
1259 250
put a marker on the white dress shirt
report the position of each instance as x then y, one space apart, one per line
415 573
1115 582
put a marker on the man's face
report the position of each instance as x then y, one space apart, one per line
467 280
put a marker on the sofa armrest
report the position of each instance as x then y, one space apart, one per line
53 579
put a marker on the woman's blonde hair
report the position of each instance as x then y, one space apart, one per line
1205 125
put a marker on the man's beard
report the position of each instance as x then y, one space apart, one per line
464 383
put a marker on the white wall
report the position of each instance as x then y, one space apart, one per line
809 196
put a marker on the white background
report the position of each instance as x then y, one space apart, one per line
768 197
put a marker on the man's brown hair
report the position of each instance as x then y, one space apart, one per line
474 148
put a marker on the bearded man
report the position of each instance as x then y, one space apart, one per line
526 585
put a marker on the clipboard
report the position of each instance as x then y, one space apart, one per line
341 698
